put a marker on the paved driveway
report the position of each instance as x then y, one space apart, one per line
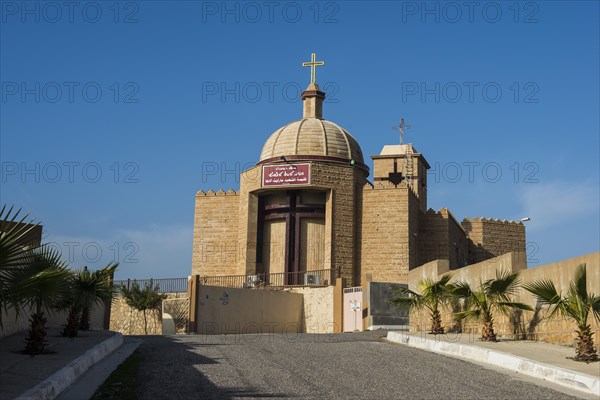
347 366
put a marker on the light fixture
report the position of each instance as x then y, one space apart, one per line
525 219
292 166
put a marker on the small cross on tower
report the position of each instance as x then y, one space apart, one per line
401 128
313 64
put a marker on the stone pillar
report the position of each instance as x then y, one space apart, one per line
338 305
193 289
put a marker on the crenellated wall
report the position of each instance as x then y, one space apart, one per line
215 251
490 238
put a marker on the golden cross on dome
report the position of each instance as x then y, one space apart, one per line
313 64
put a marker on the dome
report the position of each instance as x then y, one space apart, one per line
312 137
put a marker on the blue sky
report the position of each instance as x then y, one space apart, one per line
113 115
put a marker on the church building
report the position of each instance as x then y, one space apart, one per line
311 210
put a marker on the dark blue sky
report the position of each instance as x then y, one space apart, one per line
114 114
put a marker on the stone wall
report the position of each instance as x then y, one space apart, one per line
317 309
522 325
492 237
129 321
442 237
215 250
384 252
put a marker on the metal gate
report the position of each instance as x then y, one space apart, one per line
179 311
353 321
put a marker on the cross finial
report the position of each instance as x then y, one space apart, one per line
313 64
401 128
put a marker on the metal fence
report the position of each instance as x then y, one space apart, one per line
323 277
167 285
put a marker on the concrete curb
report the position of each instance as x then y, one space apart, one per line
52 386
562 376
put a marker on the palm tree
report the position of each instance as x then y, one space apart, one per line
493 295
433 295
13 255
86 290
576 304
42 284
144 299
104 276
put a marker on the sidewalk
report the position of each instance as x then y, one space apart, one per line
537 359
44 376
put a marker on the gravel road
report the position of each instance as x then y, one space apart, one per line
305 366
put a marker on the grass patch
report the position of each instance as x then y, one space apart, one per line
122 383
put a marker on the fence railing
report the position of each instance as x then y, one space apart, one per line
166 285
323 277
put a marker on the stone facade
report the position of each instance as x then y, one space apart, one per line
215 225
442 237
375 231
387 241
490 238
225 227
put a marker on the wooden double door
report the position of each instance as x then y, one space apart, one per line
291 234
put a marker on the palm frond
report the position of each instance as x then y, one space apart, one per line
405 299
474 314
579 282
504 285
44 281
461 290
515 304
13 254
544 290
595 302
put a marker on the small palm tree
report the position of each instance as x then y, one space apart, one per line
493 295
434 294
576 304
41 286
104 276
144 299
86 291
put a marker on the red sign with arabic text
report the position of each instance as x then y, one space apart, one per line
286 174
